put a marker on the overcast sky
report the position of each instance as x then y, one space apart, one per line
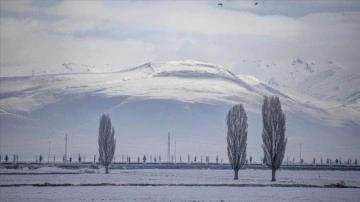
125 34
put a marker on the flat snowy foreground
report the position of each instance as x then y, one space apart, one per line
179 185
176 194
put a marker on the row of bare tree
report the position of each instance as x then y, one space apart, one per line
273 135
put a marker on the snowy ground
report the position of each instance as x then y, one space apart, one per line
176 194
179 185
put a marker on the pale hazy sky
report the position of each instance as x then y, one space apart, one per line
129 33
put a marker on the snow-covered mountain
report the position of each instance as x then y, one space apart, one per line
333 84
190 99
289 74
327 82
184 81
46 69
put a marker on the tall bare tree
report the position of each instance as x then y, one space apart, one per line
107 143
236 137
273 134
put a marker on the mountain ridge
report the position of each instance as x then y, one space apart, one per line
143 105
187 81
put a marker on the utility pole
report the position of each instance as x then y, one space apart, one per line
168 155
175 152
49 153
300 153
66 148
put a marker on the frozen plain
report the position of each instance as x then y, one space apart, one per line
179 185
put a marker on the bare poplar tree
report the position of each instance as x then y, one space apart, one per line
107 143
236 137
273 134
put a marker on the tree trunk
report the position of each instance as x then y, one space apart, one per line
106 169
236 177
273 175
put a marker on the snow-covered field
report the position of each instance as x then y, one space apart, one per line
179 185
166 193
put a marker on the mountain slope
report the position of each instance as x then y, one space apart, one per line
46 69
328 82
185 81
188 98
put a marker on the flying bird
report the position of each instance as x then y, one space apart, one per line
220 4
255 3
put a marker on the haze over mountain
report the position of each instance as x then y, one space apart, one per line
187 98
